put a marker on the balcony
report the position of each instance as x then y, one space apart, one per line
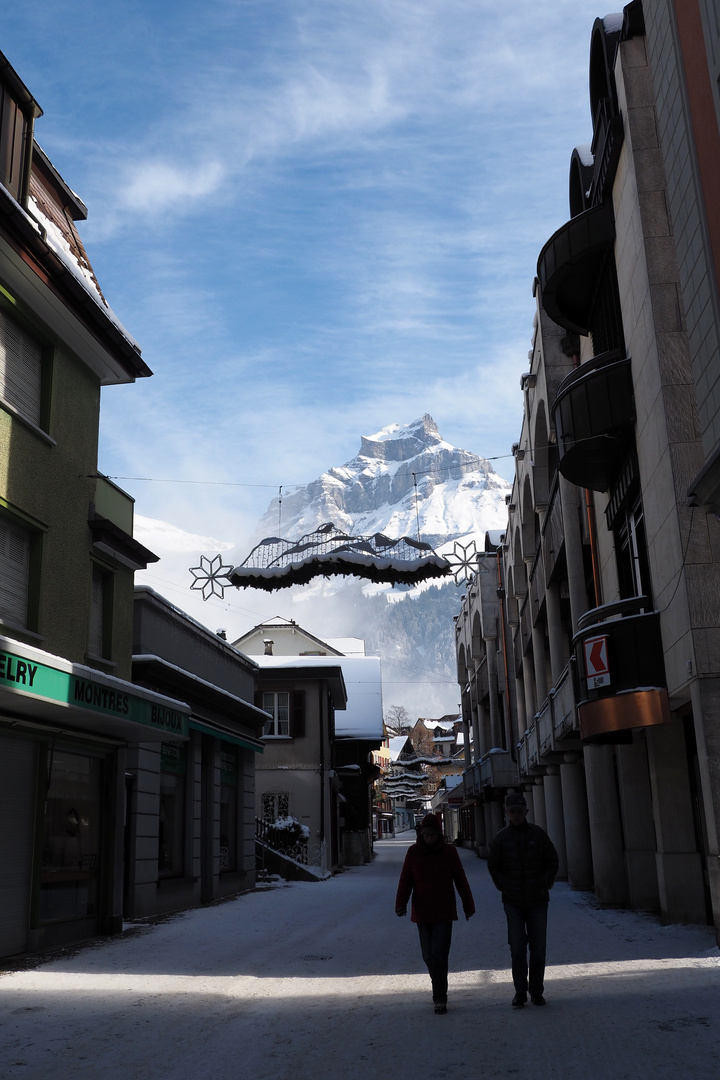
555 723
496 771
620 672
569 266
594 416
111 524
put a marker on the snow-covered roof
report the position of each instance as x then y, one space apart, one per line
397 743
348 646
363 716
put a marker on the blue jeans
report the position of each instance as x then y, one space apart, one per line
527 927
435 941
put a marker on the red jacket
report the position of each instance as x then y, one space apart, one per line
429 874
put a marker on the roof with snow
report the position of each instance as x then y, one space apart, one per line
276 563
363 716
397 745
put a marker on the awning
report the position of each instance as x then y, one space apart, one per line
40 686
246 741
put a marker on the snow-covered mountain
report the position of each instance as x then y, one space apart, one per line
458 497
404 479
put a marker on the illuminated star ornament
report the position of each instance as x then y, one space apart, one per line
463 560
212 577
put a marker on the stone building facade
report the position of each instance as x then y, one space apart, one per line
589 641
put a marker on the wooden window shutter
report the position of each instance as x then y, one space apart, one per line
97 612
20 369
14 572
297 714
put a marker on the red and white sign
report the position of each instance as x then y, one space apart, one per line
596 662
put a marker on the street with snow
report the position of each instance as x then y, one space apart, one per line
324 981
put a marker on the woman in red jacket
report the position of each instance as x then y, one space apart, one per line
431 872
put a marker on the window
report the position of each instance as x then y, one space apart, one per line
171 835
287 709
278 705
12 143
71 842
20 370
228 808
275 805
14 572
631 551
99 635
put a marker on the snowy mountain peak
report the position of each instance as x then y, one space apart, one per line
405 479
396 443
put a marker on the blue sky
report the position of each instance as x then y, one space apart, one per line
317 217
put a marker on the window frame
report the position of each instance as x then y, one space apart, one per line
270 728
34 534
102 583
40 421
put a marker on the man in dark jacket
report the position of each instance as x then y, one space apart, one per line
431 872
523 863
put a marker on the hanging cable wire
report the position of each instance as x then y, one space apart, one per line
417 512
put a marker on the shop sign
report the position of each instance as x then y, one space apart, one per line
20 675
597 667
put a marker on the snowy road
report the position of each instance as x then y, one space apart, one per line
323 981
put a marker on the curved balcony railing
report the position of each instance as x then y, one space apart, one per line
594 416
620 671
570 263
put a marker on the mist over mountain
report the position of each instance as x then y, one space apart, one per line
404 480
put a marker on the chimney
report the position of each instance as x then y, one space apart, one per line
268 646
221 634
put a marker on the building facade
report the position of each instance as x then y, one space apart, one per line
326 723
68 708
190 819
596 648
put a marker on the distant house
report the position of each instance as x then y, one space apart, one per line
326 711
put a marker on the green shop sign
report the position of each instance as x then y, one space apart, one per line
39 680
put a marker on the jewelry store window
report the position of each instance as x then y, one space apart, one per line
71 845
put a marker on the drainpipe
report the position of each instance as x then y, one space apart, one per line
501 598
591 523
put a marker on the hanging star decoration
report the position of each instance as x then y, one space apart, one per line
463 560
211 577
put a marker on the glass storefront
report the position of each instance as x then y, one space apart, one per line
71 843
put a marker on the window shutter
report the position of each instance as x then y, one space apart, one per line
20 369
14 572
95 637
297 714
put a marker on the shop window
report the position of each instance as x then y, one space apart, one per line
171 835
20 370
278 705
275 805
228 808
71 844
100 623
